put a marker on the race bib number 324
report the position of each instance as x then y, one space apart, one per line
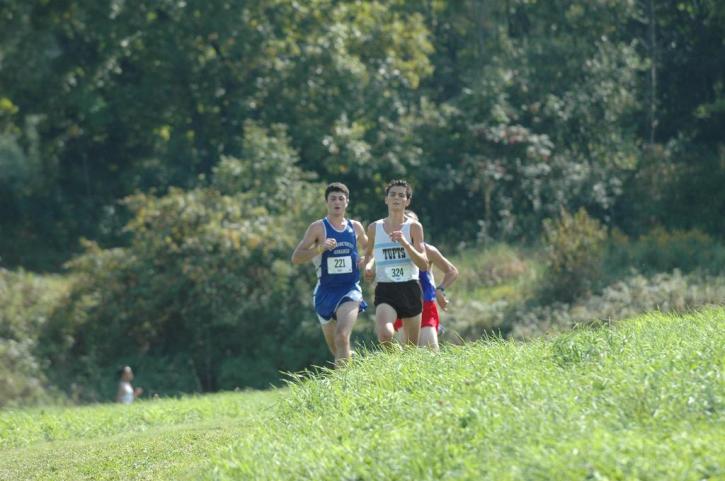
339 265
397 273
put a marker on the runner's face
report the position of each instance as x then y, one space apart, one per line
336 203
397 198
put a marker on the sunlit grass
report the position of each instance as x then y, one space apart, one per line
642 401
23 427
154 440
637 399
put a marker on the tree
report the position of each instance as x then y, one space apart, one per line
204 285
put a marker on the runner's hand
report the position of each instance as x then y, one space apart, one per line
442 299
329 244
369 273
397 236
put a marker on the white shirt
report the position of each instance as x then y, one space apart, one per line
392 262
126 392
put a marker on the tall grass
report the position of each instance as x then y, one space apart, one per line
501 271
643 400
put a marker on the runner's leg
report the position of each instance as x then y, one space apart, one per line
411 329
346 316
385 315
428 338
403 336
328 330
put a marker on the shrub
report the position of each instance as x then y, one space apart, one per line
21 377
634 295
663 251
203 278
492 266
575 248
26 302
205 282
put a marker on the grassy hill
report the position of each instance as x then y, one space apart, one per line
643 399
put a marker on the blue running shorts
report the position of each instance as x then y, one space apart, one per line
326 300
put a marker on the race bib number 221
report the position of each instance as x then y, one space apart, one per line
339 265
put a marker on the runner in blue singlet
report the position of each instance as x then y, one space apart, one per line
332 245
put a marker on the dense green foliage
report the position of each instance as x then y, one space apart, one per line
663 251
574 256
27 304
512 109
194 300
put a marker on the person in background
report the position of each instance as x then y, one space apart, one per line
430 319
126 392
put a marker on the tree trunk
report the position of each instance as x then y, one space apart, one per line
652 72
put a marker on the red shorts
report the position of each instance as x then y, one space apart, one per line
430 317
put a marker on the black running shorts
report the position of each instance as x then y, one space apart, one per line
405 297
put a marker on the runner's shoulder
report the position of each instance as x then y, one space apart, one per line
317 226
371 226
414 224
431 248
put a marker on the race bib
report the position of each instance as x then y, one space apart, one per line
398 273
339 265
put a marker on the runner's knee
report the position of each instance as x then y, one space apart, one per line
342 338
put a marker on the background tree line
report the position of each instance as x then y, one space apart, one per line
186 142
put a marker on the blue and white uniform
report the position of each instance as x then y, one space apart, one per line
393 264
338 275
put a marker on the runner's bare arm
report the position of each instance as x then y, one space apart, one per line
310 245
415 249
369 259
450 271
362 237
450 274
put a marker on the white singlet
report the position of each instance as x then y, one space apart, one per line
126 396
392 263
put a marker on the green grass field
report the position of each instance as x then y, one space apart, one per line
643 399
153 440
